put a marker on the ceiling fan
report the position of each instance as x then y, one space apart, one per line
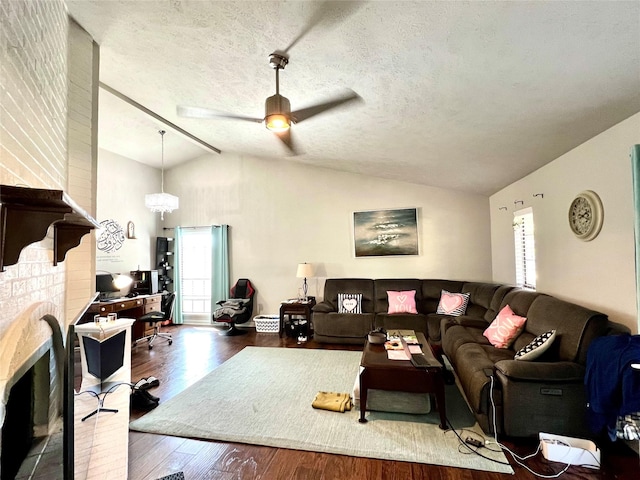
278 116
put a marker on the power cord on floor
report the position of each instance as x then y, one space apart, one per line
101 397
519 460
474 450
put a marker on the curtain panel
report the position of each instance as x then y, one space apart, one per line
177 276
219 265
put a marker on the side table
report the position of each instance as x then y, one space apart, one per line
296 307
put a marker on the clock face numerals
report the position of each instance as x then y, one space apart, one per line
586 215
581 216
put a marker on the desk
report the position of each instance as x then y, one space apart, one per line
301 308
133 307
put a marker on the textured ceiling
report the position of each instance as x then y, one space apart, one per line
463 95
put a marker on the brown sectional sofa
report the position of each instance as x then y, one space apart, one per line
333 327
529 396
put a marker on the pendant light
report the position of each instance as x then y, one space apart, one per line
161 202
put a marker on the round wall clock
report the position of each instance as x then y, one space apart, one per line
586 215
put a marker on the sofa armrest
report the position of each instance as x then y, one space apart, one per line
547 372
323 307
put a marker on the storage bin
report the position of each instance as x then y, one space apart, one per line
267 323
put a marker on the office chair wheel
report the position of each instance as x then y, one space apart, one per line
170 342
150 347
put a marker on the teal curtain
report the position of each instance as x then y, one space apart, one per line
219 264
177 274
635 174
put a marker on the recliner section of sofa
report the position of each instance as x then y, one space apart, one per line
350 328
528 396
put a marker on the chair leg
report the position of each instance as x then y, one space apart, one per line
233 331
156 333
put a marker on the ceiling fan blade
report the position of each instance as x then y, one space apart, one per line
305 113
287 139
199 112
324 12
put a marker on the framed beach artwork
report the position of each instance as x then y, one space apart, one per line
386 232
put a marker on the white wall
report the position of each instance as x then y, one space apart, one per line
282 213
122 185
599 274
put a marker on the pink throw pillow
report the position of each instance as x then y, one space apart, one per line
505 328
402 302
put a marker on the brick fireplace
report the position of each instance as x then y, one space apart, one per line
50 86
31 376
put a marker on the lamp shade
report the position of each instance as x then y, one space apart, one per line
305 270
122 281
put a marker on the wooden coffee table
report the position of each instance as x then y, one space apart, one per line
400 375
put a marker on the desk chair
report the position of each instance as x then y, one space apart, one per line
157 318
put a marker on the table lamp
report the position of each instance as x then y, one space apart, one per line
304 270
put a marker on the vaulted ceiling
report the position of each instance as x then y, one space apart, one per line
463 95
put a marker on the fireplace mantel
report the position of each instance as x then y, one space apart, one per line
26 215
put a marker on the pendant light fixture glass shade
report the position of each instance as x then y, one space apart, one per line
161 202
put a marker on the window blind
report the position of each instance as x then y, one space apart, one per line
524 241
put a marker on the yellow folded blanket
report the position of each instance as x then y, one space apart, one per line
336 402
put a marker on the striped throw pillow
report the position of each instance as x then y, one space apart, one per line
349 303
454 304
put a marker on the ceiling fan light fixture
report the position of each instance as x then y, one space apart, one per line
277 122
277 116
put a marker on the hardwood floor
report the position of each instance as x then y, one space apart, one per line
198 350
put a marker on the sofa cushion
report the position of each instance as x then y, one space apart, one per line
536 347
434 326
505 328
453 304
496 302
402 302
575 326
349 303
334 324
473 364
458 335
402 321
519 301
480 296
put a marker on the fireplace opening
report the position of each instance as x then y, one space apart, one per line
26 416
17 431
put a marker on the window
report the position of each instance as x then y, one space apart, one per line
523 235
195 275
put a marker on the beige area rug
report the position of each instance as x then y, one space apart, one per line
263 395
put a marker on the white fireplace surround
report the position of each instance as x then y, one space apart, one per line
34 333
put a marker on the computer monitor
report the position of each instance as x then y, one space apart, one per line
105 286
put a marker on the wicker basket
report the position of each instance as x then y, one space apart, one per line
267 323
